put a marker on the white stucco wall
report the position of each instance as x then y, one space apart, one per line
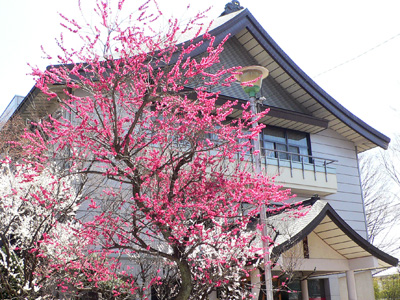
364 286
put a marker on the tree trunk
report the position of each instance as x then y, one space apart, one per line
187 285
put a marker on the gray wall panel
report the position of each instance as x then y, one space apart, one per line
347 201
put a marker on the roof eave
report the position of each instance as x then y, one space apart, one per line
246 20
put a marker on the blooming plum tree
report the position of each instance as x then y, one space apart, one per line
34 205
175 188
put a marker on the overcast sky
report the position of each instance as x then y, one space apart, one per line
318 35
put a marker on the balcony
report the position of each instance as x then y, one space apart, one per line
303 174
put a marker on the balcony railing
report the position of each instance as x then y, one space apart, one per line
298 161
303 174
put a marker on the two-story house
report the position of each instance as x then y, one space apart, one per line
310 144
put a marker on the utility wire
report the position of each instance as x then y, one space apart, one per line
358 56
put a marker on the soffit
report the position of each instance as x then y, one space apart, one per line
338 240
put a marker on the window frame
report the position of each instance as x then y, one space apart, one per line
287 144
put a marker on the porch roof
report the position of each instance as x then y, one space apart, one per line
320 218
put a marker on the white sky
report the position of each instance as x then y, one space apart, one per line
317 35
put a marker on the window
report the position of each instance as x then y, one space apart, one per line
316 289
285 144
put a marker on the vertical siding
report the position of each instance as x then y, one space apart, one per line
348 201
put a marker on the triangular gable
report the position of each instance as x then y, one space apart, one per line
235 54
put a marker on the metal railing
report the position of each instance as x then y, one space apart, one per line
295 159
